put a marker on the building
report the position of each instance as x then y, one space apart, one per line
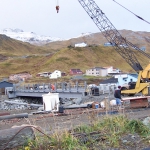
75 72
143 48
4 85
43 74
81 45
97 71
111 70
56 74
20 76
112 80
101 71
63 74
109 44
121 79
124 79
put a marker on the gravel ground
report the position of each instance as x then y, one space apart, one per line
74 117
79 116
50 124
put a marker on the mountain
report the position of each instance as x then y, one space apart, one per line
138 38
10 48
17 56
29 37
68 58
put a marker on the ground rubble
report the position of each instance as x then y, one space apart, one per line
52 122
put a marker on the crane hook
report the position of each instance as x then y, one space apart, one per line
57 6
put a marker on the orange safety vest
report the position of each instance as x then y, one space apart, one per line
53 87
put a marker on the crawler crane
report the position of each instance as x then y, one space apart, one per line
115 38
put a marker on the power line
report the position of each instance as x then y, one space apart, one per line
132 12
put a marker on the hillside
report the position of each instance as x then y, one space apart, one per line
12 48
138 38
67 58
17 56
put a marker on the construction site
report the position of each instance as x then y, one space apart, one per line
27 113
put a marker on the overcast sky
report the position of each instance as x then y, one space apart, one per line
40 16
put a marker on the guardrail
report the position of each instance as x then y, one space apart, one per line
51 87
38 89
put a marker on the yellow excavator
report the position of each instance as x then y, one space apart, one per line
122 46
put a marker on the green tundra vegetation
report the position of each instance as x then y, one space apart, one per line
64 60
100 134
17 57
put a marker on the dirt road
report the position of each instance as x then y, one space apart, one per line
71 118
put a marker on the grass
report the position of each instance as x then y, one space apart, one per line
63 59
100 133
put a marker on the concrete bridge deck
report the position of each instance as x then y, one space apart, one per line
30 91
38 93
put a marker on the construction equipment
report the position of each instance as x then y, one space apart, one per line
57 6
122 46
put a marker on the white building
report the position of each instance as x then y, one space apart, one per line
101 71
43 74
97 71
81 45
56 74
110 70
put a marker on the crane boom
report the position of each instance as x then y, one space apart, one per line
121 45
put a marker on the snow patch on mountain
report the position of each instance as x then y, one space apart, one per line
30 37
85 34
33 38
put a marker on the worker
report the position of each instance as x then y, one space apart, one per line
65 85
52 87
117 95
57 8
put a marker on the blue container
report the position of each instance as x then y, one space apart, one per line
96 106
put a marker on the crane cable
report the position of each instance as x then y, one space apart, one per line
57 6
57 2
132 12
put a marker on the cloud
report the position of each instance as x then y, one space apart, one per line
40 16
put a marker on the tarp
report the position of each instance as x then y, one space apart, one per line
51 102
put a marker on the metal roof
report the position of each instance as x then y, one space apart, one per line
110 80
4 84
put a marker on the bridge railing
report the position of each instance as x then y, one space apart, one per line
107 88
62 87
48 87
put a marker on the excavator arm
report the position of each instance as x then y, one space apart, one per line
121 45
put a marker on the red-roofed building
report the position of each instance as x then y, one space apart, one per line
75 72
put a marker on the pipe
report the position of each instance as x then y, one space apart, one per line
23 115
